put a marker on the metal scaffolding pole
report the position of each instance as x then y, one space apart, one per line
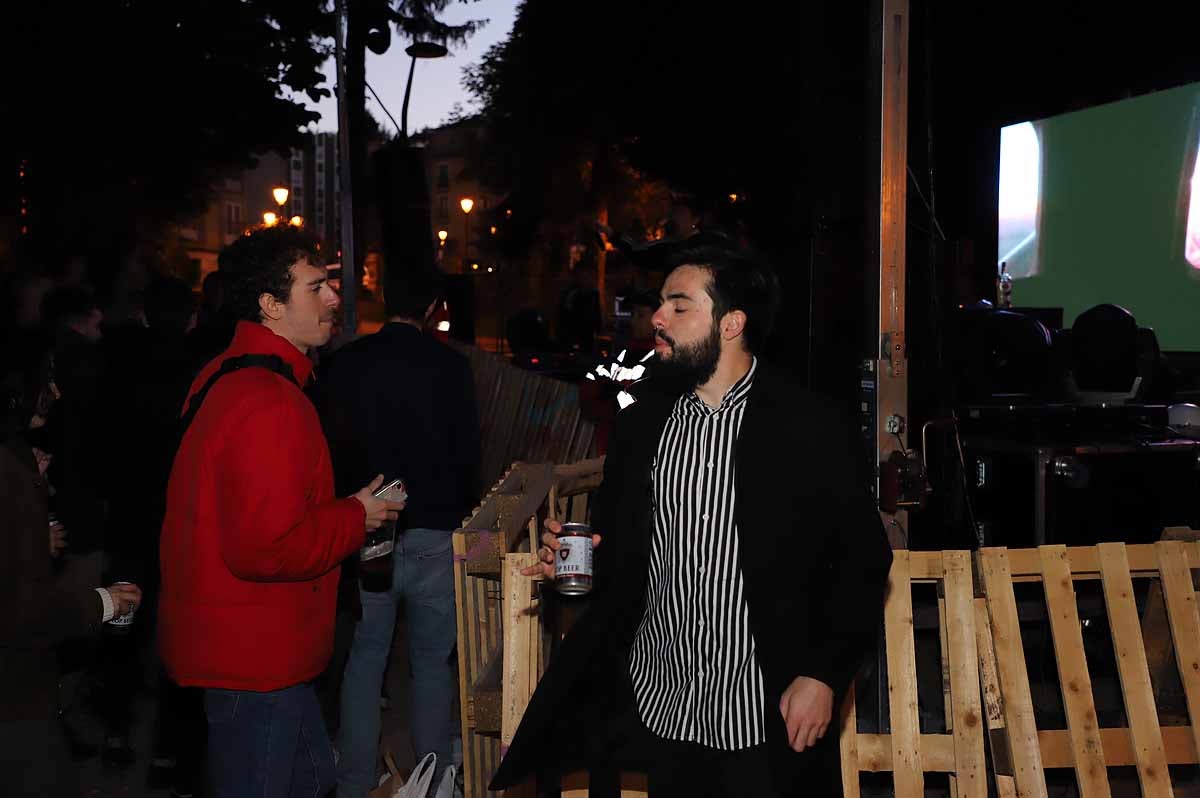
346 183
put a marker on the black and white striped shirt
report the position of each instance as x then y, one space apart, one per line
692 664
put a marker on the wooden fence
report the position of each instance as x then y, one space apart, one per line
525 416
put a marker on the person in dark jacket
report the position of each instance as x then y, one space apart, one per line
742 569
402 404
39 610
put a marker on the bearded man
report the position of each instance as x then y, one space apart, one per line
740 582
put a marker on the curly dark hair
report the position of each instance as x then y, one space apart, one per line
260 262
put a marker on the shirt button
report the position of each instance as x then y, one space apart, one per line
704 517
710 465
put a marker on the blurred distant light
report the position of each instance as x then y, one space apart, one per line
475 266
296 221
442 235
490 270
443 326
269 219
280 194
466 203
733 197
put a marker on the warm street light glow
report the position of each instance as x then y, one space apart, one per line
475 266
493 229
280 194
466 203
296 221
269 218
508 212
490 270
442 235
733 197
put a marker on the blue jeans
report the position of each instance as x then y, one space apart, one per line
422 578
267 745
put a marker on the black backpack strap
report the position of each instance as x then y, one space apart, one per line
270 362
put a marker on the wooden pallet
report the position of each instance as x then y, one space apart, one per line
1084 746
502 642
905 751
525 416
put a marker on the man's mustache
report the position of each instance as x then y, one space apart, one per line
662 335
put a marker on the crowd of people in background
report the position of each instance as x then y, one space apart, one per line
94 385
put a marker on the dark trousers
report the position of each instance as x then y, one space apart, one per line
267 745
675 769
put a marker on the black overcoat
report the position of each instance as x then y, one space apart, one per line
812 550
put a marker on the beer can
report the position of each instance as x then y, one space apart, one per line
121 623
573 565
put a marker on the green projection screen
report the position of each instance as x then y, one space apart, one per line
1103 205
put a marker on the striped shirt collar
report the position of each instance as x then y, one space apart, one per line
734 397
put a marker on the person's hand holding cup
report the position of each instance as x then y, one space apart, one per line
126 597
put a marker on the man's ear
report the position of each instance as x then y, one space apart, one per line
733 324
270 306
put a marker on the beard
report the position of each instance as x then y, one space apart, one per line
690 365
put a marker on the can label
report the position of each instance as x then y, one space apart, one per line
574 556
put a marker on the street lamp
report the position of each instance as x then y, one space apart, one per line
280 194
442 235
269 219
416 50
296 221
466 203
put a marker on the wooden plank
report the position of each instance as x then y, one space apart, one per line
875 753
1170 696
848 744
1182 611
458 544
902 682
519 632
1013 677
1085 560
925 566
1074 679
967 725
947 698
1133 671
989 686
1058 752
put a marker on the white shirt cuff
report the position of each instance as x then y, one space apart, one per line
109 609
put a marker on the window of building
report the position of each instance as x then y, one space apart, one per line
443 206
443 175
233 217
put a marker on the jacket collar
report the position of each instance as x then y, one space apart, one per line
251 338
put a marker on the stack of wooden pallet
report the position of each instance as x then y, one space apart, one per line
984 655
501 638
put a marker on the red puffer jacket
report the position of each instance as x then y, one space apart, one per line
253 535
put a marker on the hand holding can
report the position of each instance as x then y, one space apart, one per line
549 553
125 596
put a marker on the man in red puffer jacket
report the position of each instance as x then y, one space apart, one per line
253 534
